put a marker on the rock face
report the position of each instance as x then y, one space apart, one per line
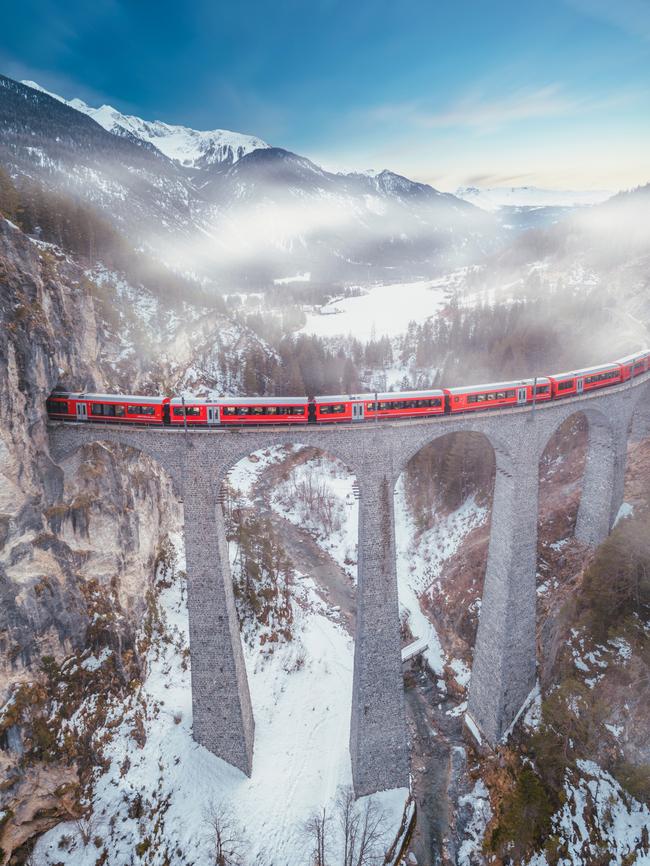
96 520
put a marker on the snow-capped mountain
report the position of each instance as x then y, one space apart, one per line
493 198
241 216
191 148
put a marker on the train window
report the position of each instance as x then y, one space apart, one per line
332 409
541 389
57 406
107 409
491 396
300 410
227 410
601 377
178 411
119 410
141 410
565 386
510 395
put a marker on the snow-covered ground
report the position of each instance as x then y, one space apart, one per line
596 807
319 497
301 701
419 564
382 311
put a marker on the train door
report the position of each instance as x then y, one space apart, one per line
357 411
82 411
580 385
213 415
521 396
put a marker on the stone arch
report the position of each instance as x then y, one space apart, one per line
503 669
220 702
378 749
65 441
486 427
604 462
429 480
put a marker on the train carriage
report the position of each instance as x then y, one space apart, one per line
196 412
263 410
580 381
107 408
497 395
634 365
413 404
332 408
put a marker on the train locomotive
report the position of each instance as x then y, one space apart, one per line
244 411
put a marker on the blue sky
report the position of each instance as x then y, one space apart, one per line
545 92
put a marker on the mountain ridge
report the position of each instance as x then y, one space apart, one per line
189 147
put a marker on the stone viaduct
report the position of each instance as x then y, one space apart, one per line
504 666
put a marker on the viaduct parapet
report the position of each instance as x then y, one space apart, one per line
504 666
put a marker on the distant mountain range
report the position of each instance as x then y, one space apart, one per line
493 198
229 207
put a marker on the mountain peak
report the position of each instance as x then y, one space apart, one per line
191 148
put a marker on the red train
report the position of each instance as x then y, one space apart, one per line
241 411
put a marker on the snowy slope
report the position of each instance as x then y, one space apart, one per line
190 147
302 711
493 198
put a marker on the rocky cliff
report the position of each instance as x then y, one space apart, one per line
77 542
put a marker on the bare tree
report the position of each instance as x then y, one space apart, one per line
371 828
362 827
225 835
84 825
316 829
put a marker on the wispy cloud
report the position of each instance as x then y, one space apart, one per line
631 16
489 114
477 112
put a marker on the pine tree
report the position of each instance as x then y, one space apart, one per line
8 197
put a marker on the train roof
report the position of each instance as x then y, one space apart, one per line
245 401
108 398
381 395
498 386
635 357
584 372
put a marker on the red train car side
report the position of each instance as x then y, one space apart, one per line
497 395
267 410
107 408
634 365
579 381
410 405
